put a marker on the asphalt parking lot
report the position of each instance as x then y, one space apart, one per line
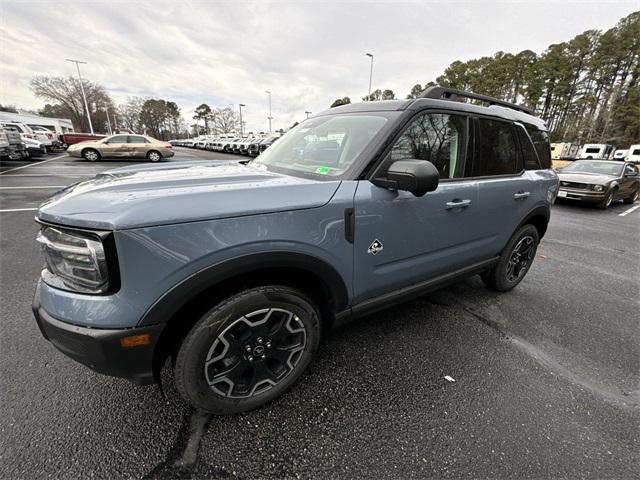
546 376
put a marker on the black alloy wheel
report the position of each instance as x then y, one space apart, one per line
247 350
515 260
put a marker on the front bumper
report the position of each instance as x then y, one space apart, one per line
100 349
583 195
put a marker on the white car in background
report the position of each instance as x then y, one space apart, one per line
50 134
27 133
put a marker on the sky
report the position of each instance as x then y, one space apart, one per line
307 53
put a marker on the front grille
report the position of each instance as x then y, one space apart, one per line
576 185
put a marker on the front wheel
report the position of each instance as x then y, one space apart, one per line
515 260
606 202
247 350
91 155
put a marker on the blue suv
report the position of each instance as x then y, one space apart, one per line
234 270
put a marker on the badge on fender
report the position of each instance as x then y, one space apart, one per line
375 247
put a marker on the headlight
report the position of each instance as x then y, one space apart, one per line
76 259
598 188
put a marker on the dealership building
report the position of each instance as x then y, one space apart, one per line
59 125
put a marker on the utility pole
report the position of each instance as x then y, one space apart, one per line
106 109
269 117
84 97
308 113
241 123
370 75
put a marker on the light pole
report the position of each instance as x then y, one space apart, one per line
78 62
241 129
106 109
308 113
370 74
269 117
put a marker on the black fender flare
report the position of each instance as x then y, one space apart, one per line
539 211
178 296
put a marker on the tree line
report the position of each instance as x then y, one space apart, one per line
586 89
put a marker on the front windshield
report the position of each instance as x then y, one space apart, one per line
590 166
323 147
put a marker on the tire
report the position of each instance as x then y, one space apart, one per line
506 275
604 204
154 156
247 350
91 155
633 197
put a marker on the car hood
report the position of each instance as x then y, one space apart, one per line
149 195
590 178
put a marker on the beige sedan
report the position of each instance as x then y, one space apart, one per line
122 146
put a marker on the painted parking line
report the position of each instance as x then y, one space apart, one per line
19 210
32 164
627 212
46 175
32 187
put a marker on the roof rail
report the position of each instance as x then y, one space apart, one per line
446 93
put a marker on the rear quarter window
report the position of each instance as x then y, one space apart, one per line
540 140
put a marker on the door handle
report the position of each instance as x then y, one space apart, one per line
519 195
458 204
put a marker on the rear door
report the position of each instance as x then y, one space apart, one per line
504 187
116 147
138 146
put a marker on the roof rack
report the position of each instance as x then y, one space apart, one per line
446 93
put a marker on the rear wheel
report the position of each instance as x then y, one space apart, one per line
247 350
91 155
515 260
154 156
634 195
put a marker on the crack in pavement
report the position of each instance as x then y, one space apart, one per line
182 460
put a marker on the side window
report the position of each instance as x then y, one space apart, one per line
541 142
118 139
528 150
437 137
136 139
496 151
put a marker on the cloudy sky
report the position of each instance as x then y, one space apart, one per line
306 52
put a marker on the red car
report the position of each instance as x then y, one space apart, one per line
71 138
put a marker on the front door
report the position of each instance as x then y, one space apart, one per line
401 239
116 146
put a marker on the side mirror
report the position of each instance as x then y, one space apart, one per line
415 176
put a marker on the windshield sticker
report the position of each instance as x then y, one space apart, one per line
323 170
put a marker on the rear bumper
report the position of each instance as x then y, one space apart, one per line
100 349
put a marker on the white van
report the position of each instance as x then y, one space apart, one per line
633 155
600 151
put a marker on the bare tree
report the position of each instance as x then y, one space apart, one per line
66 93
224 120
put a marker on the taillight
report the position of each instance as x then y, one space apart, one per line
49 136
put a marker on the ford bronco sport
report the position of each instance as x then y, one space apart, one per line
235 269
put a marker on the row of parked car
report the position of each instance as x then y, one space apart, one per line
252 146
18 140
